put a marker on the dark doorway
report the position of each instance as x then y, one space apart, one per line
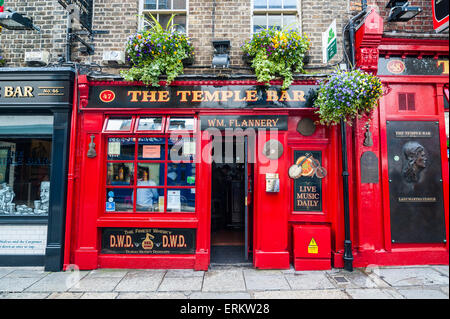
229 214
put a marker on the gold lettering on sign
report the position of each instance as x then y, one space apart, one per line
445 64
18 92
308 196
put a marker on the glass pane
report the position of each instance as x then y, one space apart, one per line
150 200
25 176
182 174
290 22
179 4
119 200
15 125
120 174
121 148
260 4
181 200
151 148
164 19
181 124
150 124
150 4
150 174
182 149
290 4
180 23
164 4
118 124
259 23
275 21
274 4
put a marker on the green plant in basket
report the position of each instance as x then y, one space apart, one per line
156 52
347 95
2 61
275 53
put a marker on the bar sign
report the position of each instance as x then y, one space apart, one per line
329 42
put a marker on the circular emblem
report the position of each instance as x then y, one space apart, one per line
306 126
295 171
273 149
107 96
306 164
396 66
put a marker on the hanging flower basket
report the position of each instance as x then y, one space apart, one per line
276 53
347 95
157 52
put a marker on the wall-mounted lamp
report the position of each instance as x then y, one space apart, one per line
16 21
401 11
221 59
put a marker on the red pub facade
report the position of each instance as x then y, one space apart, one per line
179 176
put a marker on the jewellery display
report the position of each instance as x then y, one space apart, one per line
7 207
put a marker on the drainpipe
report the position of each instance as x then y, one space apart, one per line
348 255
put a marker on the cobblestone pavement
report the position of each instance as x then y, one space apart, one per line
227 282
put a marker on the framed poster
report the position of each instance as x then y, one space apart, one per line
307 187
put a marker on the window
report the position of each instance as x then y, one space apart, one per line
25 161
277 14
162 10
152 172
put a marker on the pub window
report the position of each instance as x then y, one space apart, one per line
276 14
152 173
25 161
162 10
119 124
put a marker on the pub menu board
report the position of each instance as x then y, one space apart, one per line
148 241
415 182
308 187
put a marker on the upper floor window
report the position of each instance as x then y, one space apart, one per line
162 10
277 14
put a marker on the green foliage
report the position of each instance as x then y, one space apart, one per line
277 53
2 61
347 95
155 52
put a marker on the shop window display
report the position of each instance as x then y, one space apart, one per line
25 176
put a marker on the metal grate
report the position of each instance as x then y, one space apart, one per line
406 101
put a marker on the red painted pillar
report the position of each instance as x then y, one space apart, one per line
271 210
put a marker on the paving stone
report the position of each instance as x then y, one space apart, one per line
301 294
422 293
181 284
372 293
25 295
140 281
27 273
228 280
445 290
309 280
65 295
11 284
101 284
58 281
442 269
183 273
108 273
354 279
6 270
100 295
151 295
410 276
219 295
265 280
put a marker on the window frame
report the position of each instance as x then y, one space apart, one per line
277 11
157 11
165 133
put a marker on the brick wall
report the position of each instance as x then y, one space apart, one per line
232 21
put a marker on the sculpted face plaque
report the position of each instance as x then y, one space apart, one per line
415 182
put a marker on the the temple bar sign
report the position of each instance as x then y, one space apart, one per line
208 96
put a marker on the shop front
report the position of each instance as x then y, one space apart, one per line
35 117
198 173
